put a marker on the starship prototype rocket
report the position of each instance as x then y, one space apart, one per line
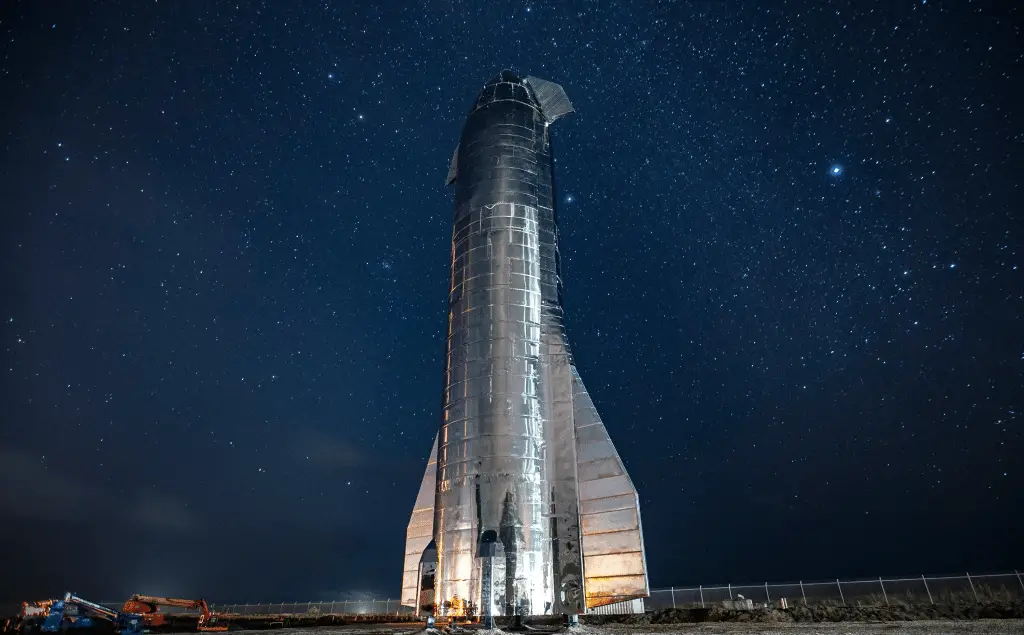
525 507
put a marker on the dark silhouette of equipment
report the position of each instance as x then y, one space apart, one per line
29 617
60 616
149 608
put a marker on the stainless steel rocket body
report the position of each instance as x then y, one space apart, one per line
492 472
505 515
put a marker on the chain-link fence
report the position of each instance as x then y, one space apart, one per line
970 588
875 592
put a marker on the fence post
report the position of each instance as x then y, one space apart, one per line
840 585
673 592
730 590
766 593
701 589
802 594
884 594
972 586
1018 578
246 610
929 591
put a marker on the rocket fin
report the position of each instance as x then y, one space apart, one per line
614 562
453 168
554 103
556 390
420 531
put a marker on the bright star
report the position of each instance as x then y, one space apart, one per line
836 170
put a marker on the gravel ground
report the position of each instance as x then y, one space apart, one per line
945 627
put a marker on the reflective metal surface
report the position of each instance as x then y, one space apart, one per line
420 531
613 539
512 469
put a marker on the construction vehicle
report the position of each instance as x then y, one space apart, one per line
149 607
73 611
34 614
29 617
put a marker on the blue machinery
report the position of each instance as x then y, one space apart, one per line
60 619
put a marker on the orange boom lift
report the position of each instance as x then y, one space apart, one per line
149 607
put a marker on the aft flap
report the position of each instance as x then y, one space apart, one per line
614 563
420 531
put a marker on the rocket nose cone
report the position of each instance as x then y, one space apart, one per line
505 76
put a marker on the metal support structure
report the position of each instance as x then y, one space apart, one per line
802 594
701 589
766 593
929 591
673 590
840 585
730 591
884 594
971 582
1018 578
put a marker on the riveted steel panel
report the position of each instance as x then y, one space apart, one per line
625 607
614 565
601 591
420 531
599 469
606 487
596 505
616 542
606 522
594 451
610 511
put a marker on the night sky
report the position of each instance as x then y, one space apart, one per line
792 259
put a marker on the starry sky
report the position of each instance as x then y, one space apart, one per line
792 256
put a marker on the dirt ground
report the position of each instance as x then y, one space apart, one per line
936 627
924 627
